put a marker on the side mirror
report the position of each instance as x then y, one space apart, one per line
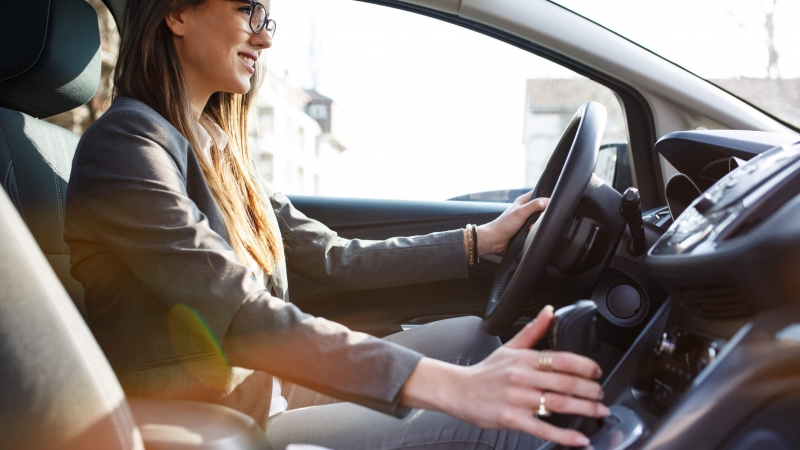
614 166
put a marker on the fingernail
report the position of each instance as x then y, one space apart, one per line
600 397
582 440
548 308
598 373
602 410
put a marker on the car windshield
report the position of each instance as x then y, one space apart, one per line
747 47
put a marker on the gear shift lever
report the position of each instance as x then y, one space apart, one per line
574 329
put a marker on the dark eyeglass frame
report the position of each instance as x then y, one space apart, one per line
258 25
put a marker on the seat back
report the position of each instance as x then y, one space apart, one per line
35 160
57 390
50 62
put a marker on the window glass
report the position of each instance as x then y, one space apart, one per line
398 105
746 47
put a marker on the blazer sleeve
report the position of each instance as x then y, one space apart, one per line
318 253
129 188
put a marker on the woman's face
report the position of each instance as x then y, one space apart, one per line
216 47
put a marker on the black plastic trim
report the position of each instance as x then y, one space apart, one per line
365 213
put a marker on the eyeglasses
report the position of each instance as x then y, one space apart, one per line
259 19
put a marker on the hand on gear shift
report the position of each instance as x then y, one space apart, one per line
574 329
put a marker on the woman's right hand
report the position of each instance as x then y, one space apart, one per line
504 390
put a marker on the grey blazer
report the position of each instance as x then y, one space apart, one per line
179 316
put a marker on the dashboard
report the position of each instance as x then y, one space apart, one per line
718 365
725 256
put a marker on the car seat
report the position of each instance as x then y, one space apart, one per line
57 390
49 63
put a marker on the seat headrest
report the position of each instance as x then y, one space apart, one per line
50 55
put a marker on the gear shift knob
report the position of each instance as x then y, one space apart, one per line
574 328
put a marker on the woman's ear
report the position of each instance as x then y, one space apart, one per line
176 21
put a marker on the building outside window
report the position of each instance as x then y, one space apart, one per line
266 120
287 122
266 166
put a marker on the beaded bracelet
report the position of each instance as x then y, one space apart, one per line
475 244
470 245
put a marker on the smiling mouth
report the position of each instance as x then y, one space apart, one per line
250 61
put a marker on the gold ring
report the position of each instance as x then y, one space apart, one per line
545 361
542 411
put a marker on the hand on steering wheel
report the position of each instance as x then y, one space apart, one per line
494 236
524 264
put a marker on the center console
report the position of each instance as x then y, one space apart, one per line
718 364
680 356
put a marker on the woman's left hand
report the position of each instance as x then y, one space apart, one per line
494 236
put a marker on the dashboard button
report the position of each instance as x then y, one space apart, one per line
705 204
662 393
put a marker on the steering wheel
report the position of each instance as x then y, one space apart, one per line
524 264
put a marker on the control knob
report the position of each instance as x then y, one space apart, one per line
665 346
707 357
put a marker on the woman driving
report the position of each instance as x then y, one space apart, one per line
183 256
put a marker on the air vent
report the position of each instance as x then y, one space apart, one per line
714 301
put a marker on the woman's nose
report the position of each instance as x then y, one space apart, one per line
262 39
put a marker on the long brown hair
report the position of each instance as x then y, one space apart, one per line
148 70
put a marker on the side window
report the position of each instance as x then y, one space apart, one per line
550 104
363 100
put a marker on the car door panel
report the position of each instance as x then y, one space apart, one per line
382 219
384 311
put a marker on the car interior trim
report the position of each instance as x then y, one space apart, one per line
448 6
